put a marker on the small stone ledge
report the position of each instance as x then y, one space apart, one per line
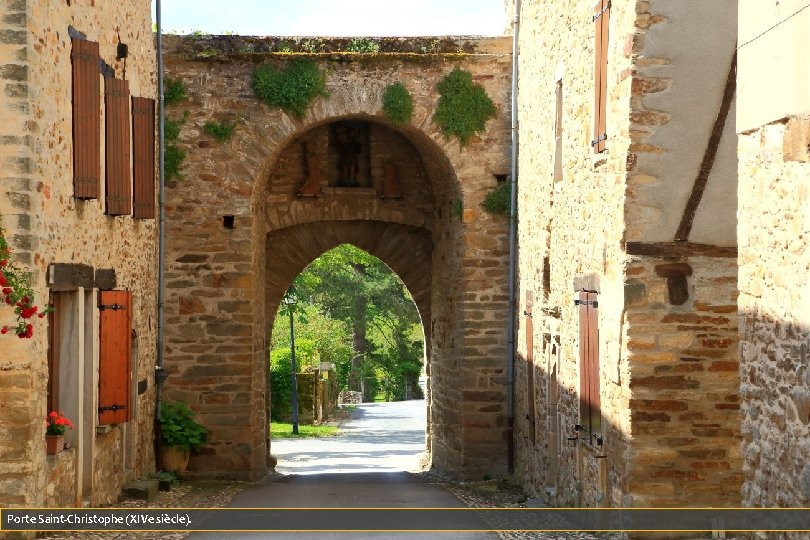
144 490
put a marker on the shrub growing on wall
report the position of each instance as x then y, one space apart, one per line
464 106
292 88
499 201
398 103
174 91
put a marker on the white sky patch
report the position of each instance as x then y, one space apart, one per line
335 17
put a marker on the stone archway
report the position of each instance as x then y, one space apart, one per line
237 236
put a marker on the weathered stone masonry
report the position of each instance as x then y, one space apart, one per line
224 285
46 226
608 222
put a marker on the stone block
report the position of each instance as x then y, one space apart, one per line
140 489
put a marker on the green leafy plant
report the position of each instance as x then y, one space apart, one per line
363 45
221 131
398 103
178 427
499 201
458 208
174 91
174 155
292 88
464 106
165 476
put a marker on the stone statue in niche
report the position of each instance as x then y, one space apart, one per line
391 188
312 184
349 148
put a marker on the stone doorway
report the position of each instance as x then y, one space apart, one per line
250 214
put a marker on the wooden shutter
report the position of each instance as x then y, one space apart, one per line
143 157
115 351
86 120
589 397
530 409
601 20
119 187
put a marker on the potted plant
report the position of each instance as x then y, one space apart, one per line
55 426
180 434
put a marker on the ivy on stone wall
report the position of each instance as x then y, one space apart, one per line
174 91
291 88
464 106
221 131
398 103
173 155
499 201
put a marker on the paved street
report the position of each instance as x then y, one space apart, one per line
365 467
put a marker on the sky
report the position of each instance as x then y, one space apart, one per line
335 17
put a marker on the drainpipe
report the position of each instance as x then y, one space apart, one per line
510 320
160 375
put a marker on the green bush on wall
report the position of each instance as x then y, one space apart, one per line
291 88
173 155
464 106
398 103
221 131
499 201
174 91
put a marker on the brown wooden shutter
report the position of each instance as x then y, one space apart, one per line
589 399
594 400
530 409
86 120
584 362
601 20
143 157
115 351
119 186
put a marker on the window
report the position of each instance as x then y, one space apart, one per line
86 120
143 157
601 20
590 416
118 178
115 357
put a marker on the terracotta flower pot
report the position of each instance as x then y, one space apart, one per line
175 458
54 444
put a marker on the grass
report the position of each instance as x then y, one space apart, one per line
282 430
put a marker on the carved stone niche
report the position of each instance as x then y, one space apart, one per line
349 154
677 286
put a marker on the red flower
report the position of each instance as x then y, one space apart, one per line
3 280
4 330
7 290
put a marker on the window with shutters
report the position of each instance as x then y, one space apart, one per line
143 157
86 119
601 21
115 357
590 415
117 148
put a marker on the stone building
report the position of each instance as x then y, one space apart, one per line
773 122
77 203
627 381
249 213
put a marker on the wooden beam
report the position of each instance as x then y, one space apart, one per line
679 249
685 227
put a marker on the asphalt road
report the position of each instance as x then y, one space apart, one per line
366 467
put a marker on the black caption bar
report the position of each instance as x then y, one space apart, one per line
406 519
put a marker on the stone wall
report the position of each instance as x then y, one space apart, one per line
47 225
668 367
224 284
775 330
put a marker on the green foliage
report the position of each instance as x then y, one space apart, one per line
281 371
458 208
174 91
499 201
221 131
173 154
178 427
398 103
165 476
464 106
363 45
292 88
283 430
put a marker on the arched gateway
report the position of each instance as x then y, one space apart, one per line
249 213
